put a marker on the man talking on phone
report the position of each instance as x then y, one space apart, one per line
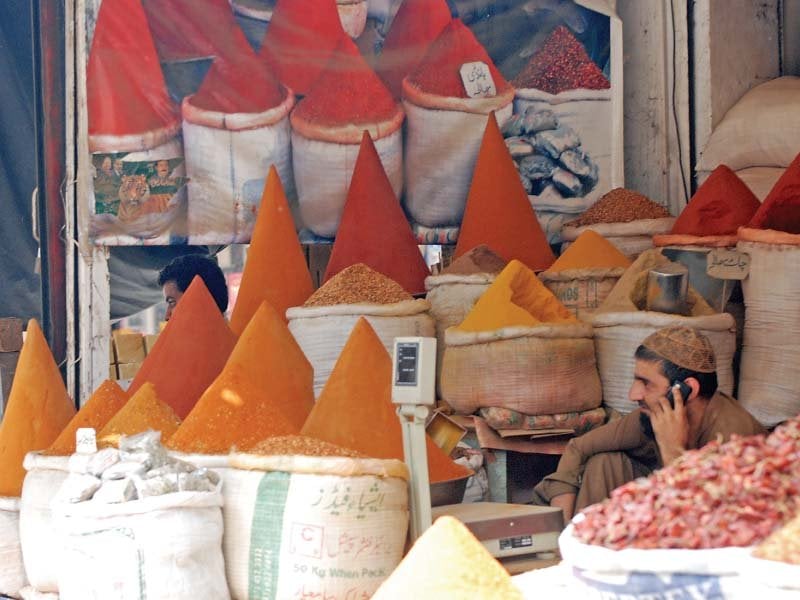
680 409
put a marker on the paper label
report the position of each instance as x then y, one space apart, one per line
477 80
727 264
85 441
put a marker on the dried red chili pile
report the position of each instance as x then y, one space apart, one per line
561 64
731 494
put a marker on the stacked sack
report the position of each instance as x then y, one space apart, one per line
519 348
622 322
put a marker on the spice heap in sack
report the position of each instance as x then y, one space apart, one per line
142 412
358 284
481 259
780 210
731 494
301 445
447 561
620 205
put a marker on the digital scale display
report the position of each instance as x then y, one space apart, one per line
523 541
407 358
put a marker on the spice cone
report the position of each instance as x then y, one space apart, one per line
142 412
126 92
374 230
300 39
104 403
781 208
189 353
415 26
516 298
355 408
498 212
447 561
38 409
590 251
276 269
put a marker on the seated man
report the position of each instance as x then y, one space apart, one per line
657 432
178 274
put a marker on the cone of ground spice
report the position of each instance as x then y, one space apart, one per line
355 408
276 270
38 409
189 353
498 212
481 259
300 39
106 401
415 26
142 412
448 561
590 251
721 205
374 230
780 211
265 389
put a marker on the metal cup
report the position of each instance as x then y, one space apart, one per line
667 287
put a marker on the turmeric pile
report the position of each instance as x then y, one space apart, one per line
355 407
38 409
516 299
447 561
142 412
590 251
106 401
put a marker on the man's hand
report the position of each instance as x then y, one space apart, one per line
671 426
566 502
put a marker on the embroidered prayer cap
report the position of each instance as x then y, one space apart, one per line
683 346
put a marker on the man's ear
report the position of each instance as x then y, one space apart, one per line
695 387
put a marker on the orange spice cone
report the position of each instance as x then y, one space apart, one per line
106 401
780 210
38 409
189 353
590 251
276 269
498 212
374 230
355 409
142 412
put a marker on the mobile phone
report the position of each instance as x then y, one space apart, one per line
685 391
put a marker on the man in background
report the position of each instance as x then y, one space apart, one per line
178 274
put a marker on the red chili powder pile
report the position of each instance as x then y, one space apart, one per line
781 208
438 73
719 207
348 91
561 64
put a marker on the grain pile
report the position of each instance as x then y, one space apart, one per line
620 205
301 444
358 284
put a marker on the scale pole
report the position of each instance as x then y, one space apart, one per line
413 419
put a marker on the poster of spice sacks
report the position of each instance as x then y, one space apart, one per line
189 103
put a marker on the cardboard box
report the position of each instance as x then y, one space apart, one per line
129 347
128 370
10 334
149 342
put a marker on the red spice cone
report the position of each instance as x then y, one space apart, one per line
438 73
300 39
189 353
719 207
414 28
498 212
126 92
781 208
355 408
276 269
374 230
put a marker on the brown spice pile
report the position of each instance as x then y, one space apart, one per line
480 259
300 444
620 205
358 284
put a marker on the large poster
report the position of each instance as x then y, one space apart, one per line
190 102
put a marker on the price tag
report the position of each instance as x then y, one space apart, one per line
85 440
727 264
477 80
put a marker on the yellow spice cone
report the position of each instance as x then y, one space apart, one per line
516 299
590 251
447 561
276 269
142 412
38 409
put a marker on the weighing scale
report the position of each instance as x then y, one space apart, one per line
507 530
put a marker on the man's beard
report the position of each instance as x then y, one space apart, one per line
647 426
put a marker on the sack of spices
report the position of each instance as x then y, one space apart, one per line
307 517
239 118
12 570
585 274
520 348
327 129
446 123
622 321
625 218
322 324
768 385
